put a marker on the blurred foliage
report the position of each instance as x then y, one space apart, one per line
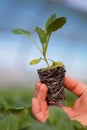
15 112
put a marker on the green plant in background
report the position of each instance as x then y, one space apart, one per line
52 24
15 113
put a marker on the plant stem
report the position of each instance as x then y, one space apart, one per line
35 43
45 50
45 59
43 47
46 46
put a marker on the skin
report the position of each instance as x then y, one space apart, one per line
77 112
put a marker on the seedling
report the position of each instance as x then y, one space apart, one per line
52 24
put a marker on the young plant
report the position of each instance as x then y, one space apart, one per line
53 74
52 24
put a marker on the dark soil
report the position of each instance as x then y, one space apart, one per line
54 79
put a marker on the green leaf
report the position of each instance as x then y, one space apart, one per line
21 31
27 121
78 126
57 63
42 34
1 116
4 104
50 20
57 116
14 108
35 61
56 24
10 122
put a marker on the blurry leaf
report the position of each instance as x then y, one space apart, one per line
21 31
17 108
70 98
27 119
78 126
35 61
1 116
4 104
10 122
42 34
50 20
59 119
21 118
56 24
57 63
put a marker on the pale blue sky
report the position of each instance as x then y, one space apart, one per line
68 44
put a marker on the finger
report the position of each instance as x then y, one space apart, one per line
41 117
75 86
38 85
44 106
43 92
35 106
46 114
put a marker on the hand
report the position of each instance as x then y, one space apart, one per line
39 104
77 112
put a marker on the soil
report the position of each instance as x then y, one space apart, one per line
54 79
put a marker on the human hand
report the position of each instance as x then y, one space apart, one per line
39 104
77 112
